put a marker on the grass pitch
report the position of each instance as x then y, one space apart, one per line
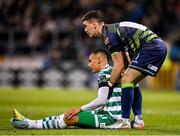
161 111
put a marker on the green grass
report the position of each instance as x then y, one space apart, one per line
161 111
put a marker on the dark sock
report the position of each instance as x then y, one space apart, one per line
127 99
137 103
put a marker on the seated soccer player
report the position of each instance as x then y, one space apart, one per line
102 112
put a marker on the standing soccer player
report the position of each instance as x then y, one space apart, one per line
102 112
147 52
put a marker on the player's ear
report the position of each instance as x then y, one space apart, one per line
99 60
94 25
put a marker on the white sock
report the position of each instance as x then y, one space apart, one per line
35 123
138 117
125 119
61 122
54 122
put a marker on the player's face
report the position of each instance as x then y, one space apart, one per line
94 63
90 28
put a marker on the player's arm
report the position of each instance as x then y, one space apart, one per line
118 67
117 53
99 101
127 61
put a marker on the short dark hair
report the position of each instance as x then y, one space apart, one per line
94 14
96 51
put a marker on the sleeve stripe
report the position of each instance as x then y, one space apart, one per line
113 53
116 49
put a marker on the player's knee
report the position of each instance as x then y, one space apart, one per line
72 121
65 119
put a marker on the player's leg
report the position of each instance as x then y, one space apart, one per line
86 119
51 122
137 108
54 122
147 62
71 122
130 78
137 103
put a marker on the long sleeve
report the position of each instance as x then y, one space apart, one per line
99 101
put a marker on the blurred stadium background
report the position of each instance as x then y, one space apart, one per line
43 46
42 43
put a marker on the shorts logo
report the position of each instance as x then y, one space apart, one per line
152 67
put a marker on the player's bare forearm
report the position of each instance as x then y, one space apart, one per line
118 67
116 74
127 61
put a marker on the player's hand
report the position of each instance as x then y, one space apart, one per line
110 84
123 72
69 114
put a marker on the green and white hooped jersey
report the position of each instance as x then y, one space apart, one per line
113 103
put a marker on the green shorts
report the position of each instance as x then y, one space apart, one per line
95 119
